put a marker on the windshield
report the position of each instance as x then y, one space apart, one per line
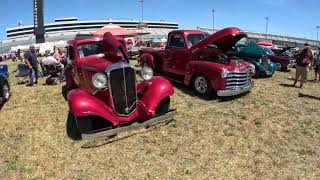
269 51
89 49
195 38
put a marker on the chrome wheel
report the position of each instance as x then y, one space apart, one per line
201 85
278 66
6 92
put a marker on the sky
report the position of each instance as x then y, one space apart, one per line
287 17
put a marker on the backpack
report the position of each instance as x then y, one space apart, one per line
301 58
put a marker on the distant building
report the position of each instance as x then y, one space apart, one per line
279 40
67 28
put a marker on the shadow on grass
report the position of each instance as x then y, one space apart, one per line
190 92
288 85
302 95
64 92
231 98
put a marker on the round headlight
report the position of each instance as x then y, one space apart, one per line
99 80
224 73
146 73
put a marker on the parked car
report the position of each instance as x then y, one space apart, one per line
194 58
256 55
103 94
281 61
4 84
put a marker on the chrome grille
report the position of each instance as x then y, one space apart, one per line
122 87
238 79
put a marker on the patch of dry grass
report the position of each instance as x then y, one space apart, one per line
270 133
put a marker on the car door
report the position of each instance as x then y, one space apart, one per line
175 55
72 69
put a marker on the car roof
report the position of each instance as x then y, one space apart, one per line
187 31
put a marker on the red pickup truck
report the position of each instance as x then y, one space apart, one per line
197 59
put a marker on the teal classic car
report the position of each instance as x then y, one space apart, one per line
256 55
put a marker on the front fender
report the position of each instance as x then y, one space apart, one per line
209 69
82 103
147 58
153 92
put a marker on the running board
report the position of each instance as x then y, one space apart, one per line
166 118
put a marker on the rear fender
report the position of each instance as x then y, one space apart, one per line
154 91
82 104
147 58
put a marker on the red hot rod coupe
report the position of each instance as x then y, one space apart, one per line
103 94
198 59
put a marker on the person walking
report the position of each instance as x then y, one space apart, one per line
317 65
31 59
304 62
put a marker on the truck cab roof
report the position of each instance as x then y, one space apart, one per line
187 31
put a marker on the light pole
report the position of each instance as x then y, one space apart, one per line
213 11
267 23
318 33
141 1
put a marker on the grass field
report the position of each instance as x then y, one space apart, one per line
270 133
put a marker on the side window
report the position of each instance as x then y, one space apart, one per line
176 41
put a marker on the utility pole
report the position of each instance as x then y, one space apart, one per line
318 33
267 24
213 11
141 1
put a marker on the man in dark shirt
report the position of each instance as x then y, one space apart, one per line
303 63
31 60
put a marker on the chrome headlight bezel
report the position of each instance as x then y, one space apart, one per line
224 73
146 73
99 80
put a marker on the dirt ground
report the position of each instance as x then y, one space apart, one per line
270 133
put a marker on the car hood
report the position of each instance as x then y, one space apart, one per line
252 50
224 39
95 63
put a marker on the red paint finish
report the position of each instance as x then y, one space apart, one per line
85 100
180 63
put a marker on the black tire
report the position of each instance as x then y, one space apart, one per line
279 66
72 128
206 89
163 107
5 91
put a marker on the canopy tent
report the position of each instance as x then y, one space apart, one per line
265 43
116 31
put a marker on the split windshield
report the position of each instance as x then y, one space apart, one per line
89 49
195 38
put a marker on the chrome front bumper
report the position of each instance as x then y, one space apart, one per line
234 92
